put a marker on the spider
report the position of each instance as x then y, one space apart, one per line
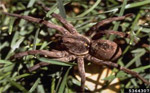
79 47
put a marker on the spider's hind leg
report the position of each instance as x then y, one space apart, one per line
109 32
106 21
112 64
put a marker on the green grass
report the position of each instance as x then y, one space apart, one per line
17 35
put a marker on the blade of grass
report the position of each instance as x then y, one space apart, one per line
44 44
15 37
53 85
18 86
40 89
90 9
21 76
137 4
60 79
22 21
11 25
134 23
64 81
3 76
6 86
32 89
5 61
53 8
3 45
114 2
138 61
14 44
116 26
139 69
75 81
61 8
141 53
120 14
35 38
7 68
133 26
31 3
128 84
134 82
131 5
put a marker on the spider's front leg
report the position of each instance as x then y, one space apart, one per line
111 64
81 69
40 21
68 25
41 64
53 53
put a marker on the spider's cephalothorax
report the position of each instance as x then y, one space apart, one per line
76 44
80 47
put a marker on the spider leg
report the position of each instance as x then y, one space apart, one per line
54 53
104 22
81 69
40 21
41 64
37 66
66 58
68 25
111 64
110 32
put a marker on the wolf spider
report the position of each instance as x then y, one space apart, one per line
79 47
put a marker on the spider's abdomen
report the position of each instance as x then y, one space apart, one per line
105 50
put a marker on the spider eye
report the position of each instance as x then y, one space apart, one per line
85 44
